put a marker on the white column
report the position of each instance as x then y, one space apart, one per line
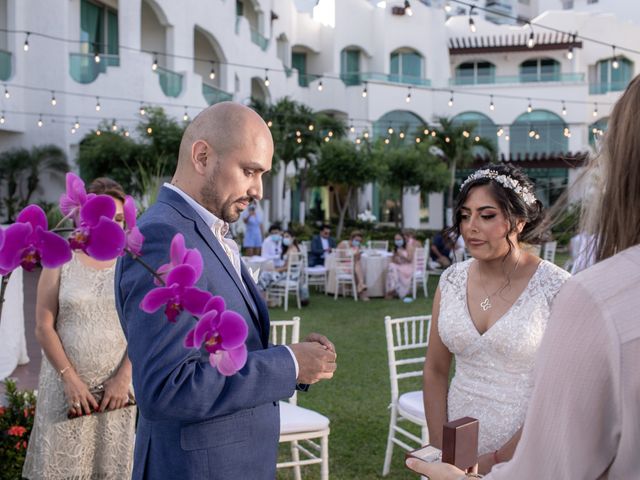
129 23
411 208
436 214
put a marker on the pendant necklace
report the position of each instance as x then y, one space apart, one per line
486 303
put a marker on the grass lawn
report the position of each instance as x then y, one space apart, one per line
356 399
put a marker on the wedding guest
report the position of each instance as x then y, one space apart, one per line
321 245
441 247
409 235
272 245
582 421
78 329
252 218
269 277
490 312
400 270
354 246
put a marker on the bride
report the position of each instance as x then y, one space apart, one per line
490 312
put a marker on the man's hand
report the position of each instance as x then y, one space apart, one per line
322 340
315 361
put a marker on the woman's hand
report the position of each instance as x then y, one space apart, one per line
116 392
435 471
78 395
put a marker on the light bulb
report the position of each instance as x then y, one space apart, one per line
77 124
352 129
564 109
149 130
364 91
401 134
25 47
212 73
390 131
358 141
98 107
154 65
6 93
98 132
96 57
2 120
40 122
472 25
326 139
54 102
418 140
320 86
386 141
531 42
311 127
570 53
142 111
330 134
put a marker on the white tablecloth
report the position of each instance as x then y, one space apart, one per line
374 269
256 262
13 344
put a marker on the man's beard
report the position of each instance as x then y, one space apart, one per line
224 210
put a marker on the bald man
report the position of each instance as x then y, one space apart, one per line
195 423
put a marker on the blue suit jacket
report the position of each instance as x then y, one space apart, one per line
315 254
195 423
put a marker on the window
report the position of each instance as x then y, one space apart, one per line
596 131
299 62
99 29
540 70
481 125
406 67
613 79
538 132
471 73
350 66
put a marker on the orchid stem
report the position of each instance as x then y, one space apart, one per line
3 289
64 219
146 266
62 230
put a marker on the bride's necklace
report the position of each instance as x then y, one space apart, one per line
486 303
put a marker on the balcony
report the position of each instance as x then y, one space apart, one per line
523 78
170 82
602 88
395 78
84 69
305 79
351 78
215 95
256 36
5 65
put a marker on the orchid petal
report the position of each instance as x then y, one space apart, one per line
194 258
195 300
129 212
215 303
228 362
54 250
183 275
155 298
233 330
33 215
203 327
177 249
75 195
134 241
15 241
97 207
162 273
107 240
189 339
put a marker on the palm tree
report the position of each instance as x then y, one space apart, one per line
459 146
21 171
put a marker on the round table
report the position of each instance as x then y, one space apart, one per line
374 268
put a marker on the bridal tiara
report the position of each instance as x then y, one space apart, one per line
506 181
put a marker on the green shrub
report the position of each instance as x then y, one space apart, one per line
16 422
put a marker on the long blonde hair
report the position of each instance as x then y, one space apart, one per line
612 215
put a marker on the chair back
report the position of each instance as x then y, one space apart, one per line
419 260
379 245
305 246
295 264
344 264
549 251
407 341
285 332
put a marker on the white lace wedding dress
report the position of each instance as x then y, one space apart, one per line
494 371
99 445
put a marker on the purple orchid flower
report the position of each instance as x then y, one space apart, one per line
179 294
97 234
179 254
132 233
222 333
74 198
28 243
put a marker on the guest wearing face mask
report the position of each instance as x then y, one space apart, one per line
400 270
269 277
354 244
272 246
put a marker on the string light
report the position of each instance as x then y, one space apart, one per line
531 42
447 7
40 122
154 65
418 139
6 92
465 134
595 110
77 124
564 108
126 133
386 141
447 139
114 125
401 134
507 138
2 120
472 24
570 53
25 47
266 77
54 102
352 129
477 139
426 131
326 139
299 140
390 130
450 103
96 55
98 107
500 132
212 73
408 99
529 107
269 124
185 117
149 131
358 141
142 110
364 90
311 127
407 8
433 133
365 134
492 106
532 132
330 134
73 130
614 64
98 132
320 86
298 133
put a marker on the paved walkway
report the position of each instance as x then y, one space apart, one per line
27 375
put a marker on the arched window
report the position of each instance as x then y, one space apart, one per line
483 126
596 130
539 132
350 66
610 79
406 67
401 121
471 73
540 70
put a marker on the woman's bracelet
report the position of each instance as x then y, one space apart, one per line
471 475
61 372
